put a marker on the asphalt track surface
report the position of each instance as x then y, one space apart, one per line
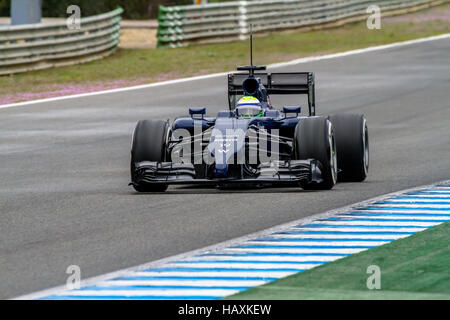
64 167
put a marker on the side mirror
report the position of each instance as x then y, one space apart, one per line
292 109
198 111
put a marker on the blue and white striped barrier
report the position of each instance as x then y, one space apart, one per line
220 271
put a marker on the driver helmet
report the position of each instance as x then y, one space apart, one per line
248 107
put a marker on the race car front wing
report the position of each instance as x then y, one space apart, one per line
275 172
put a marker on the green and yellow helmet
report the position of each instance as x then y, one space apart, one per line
249 107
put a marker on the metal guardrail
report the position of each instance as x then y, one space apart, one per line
183 25
44 45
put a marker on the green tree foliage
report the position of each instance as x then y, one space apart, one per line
5 8
134 9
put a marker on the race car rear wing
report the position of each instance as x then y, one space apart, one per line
276 83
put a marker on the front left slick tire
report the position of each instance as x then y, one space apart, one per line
314 139
352 145
148 144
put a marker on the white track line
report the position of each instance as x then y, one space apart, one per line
310 243
375 223
291 250
412 205
276 65
149 293
387 217
269 259
244 265
437 211
337 236
181 283
411 230
215 274
424 201
431 196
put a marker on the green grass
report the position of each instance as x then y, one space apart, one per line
135 66
416 267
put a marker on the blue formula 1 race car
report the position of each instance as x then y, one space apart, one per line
252 143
